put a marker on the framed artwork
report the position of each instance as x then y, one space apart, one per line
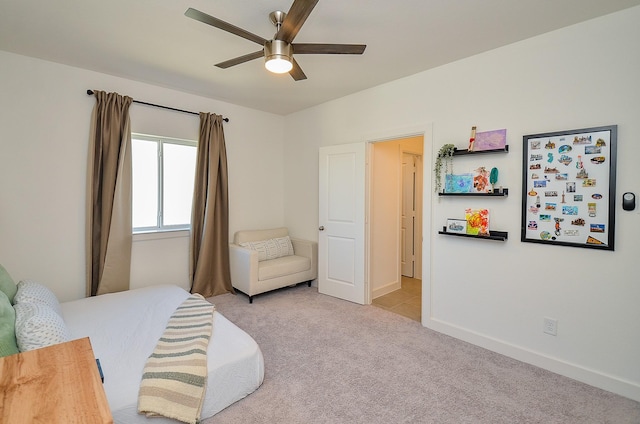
458 226
569 188
490 140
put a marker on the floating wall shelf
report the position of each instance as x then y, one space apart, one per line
480 152
504 193
493 235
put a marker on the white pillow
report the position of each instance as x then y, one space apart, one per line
38 325
30 291
271 248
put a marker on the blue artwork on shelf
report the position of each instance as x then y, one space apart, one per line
462 183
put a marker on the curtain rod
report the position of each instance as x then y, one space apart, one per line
90 92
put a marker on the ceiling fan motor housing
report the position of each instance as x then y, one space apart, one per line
277 48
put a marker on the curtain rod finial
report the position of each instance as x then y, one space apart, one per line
89 92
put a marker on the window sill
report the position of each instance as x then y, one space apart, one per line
158 235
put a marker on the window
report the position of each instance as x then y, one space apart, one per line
163 175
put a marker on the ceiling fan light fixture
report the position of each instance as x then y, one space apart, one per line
277 56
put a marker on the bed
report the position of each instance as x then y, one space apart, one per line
124 328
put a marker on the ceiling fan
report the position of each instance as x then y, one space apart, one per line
278 52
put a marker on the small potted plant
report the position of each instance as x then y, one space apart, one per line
444 157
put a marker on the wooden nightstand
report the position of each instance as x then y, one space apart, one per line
55 384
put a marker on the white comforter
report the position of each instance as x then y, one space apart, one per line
124 328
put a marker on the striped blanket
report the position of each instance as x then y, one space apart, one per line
175 375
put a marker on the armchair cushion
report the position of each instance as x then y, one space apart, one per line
280 267
270 249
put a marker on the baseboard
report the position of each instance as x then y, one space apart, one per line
588 376
381 291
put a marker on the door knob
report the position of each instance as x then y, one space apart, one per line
321 228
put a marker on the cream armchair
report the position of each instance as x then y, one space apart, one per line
264 260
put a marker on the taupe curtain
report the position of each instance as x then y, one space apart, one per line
109 195
209 261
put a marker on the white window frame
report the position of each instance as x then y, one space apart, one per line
161 141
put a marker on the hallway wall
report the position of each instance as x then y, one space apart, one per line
385 193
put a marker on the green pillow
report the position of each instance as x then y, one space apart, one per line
8 345
7 285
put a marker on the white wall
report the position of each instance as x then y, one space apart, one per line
384 218
577 77
44 130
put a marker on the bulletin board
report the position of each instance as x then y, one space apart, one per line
569 188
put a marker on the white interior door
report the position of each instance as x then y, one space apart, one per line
341 238
407 230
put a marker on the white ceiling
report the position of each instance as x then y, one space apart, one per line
152 41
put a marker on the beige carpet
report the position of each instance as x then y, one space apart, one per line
332 361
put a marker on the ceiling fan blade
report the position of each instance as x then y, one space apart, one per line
241 59
296 73
225 26
316 48
299 12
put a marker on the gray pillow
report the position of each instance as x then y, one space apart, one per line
37 325
30 291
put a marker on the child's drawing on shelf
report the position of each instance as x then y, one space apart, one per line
481 180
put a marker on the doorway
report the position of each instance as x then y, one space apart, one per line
395 230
